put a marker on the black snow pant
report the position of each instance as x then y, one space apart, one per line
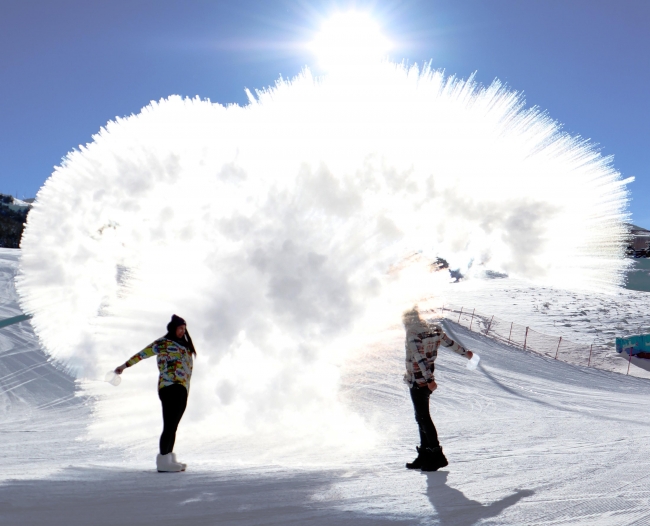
174 401
428 434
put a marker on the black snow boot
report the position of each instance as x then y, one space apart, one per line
434 459
419 460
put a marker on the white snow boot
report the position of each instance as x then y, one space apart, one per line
165 463
174 459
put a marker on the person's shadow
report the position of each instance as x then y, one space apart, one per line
454 508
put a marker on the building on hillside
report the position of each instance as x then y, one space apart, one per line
639 242
14 204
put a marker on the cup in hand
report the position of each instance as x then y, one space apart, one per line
113 378
473 363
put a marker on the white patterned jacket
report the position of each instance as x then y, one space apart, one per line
422 344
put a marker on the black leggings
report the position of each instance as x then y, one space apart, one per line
174 401
428 434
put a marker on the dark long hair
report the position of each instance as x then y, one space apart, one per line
186 340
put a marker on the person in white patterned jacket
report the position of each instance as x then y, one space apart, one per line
422 343
174 353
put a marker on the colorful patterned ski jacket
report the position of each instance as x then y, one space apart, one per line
421 351
174 362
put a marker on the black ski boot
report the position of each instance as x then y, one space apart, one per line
434 459
419 460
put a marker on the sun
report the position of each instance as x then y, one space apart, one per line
349 40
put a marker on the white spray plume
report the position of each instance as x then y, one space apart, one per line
271 229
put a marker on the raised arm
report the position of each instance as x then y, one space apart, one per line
458 349
147 352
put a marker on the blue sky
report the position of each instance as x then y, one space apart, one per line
69 66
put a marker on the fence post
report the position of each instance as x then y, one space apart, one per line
629 362
525 338
490 325
558 348
472 320
511 323
591 349
461 313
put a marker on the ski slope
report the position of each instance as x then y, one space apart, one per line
529 440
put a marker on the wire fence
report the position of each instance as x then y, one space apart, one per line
557 347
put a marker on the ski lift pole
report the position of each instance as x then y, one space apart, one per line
558 347
509 335
16 319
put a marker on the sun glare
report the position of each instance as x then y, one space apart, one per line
349 40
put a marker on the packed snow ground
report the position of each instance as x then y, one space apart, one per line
530 440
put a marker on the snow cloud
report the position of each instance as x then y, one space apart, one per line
272 228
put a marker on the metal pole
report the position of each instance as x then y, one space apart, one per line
16 319
443 311
525 338
461 313
558 348
490 325
472 320
510 331
629 362
591 349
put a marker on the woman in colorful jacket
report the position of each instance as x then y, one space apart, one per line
174 353
422 343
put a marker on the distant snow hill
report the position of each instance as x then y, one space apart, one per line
530 440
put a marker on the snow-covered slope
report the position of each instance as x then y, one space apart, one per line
578 317
39 411
530 440
27 378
